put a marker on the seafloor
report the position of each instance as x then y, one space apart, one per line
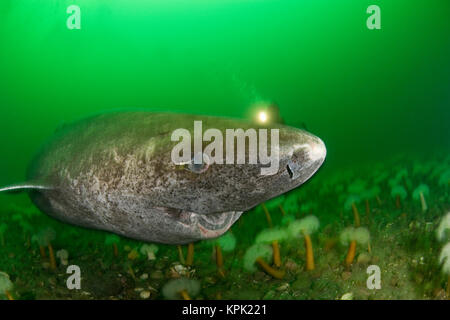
404 244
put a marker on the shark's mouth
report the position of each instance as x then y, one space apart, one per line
215 224
204 226
216 221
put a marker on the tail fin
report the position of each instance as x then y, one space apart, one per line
24 187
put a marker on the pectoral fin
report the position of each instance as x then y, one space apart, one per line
26 186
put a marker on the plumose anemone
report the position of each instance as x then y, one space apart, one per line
260 254
305 227
225 243
181 288
352 236
444 259
399 193
443 231
273 237
149 250
6 285
350 203
419 194
44 239
113 240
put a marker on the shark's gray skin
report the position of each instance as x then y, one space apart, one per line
114 172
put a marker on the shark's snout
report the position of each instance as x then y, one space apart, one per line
306 158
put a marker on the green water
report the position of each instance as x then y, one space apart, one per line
379 99
366 93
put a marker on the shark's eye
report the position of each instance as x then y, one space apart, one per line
202 163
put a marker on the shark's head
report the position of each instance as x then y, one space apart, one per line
211 192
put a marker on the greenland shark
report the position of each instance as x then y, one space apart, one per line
114 172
